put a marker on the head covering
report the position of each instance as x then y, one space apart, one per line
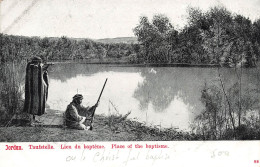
78 96
36 59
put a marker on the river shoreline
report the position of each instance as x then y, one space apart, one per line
120 63
106 128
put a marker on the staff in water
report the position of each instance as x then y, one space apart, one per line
78 116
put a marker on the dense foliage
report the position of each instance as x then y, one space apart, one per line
216 36
22 48
213 37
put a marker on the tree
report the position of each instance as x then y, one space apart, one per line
156 38
145 35
215 39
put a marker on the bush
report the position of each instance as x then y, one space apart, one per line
222 119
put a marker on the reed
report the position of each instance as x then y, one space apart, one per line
228 117
11 88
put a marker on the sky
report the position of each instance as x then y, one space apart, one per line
98 19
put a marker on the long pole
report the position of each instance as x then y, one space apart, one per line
93 113
102 91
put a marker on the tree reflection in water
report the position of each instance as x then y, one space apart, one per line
162 85
164 94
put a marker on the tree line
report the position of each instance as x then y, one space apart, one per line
216 36
64 48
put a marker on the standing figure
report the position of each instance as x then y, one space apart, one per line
36 87
78 116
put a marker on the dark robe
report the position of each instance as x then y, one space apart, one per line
36 89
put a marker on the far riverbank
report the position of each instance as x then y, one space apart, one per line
127 64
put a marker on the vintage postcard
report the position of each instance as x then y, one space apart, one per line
129 83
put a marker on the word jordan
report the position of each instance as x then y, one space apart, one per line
14 147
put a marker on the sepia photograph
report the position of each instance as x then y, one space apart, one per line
129 70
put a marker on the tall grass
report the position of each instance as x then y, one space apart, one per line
228 116
11 88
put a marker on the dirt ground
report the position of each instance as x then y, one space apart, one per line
106 128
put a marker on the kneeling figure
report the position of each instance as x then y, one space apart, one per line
78 116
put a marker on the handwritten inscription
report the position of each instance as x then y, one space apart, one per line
122 153
105 156
131 157
218 153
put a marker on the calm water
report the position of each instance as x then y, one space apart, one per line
165 96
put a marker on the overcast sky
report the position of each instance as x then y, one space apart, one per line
101 18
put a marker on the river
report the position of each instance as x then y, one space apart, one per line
163 96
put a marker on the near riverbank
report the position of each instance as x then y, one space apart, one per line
106 128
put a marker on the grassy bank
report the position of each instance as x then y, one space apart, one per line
106 128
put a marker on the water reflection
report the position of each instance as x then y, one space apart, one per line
160 96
